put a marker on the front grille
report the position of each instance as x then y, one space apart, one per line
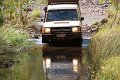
60 30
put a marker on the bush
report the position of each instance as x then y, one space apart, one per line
12 43
36 14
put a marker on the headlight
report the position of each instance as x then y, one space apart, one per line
75 29
75 62
75 69
46 30
48 62
75 65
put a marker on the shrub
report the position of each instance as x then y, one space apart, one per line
36 14
12 43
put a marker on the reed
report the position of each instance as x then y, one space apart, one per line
105 53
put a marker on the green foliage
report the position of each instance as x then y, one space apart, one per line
102 1
12 42
17 10
111 11
110 69
36 14
114 2
104 46
1 20
3 74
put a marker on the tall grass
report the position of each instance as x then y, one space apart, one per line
105 51
15 47
12 43
1 20
104 45
110 69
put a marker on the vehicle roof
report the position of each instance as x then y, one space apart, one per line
63 1
62 6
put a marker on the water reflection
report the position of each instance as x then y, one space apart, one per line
75 65
47 62
62 62
29 68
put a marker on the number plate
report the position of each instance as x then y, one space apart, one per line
61 35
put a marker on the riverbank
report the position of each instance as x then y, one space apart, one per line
12 43
104 50
17 53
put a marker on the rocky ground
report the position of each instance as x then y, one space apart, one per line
92 13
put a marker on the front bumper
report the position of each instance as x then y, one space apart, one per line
46 38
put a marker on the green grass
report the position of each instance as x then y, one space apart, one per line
105 50
110 69
104 46
36 14
14 45
12 42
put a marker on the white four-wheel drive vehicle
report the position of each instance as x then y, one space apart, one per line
62 21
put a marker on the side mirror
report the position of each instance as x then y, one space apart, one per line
45 9
82 18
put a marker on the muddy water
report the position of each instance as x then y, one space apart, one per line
66 62
29 68
60 65
51 62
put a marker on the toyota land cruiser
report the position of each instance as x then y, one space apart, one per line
62 21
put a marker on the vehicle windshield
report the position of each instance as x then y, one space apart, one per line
61 15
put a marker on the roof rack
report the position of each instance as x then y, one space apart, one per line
63 1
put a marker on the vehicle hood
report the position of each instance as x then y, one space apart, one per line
61 24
